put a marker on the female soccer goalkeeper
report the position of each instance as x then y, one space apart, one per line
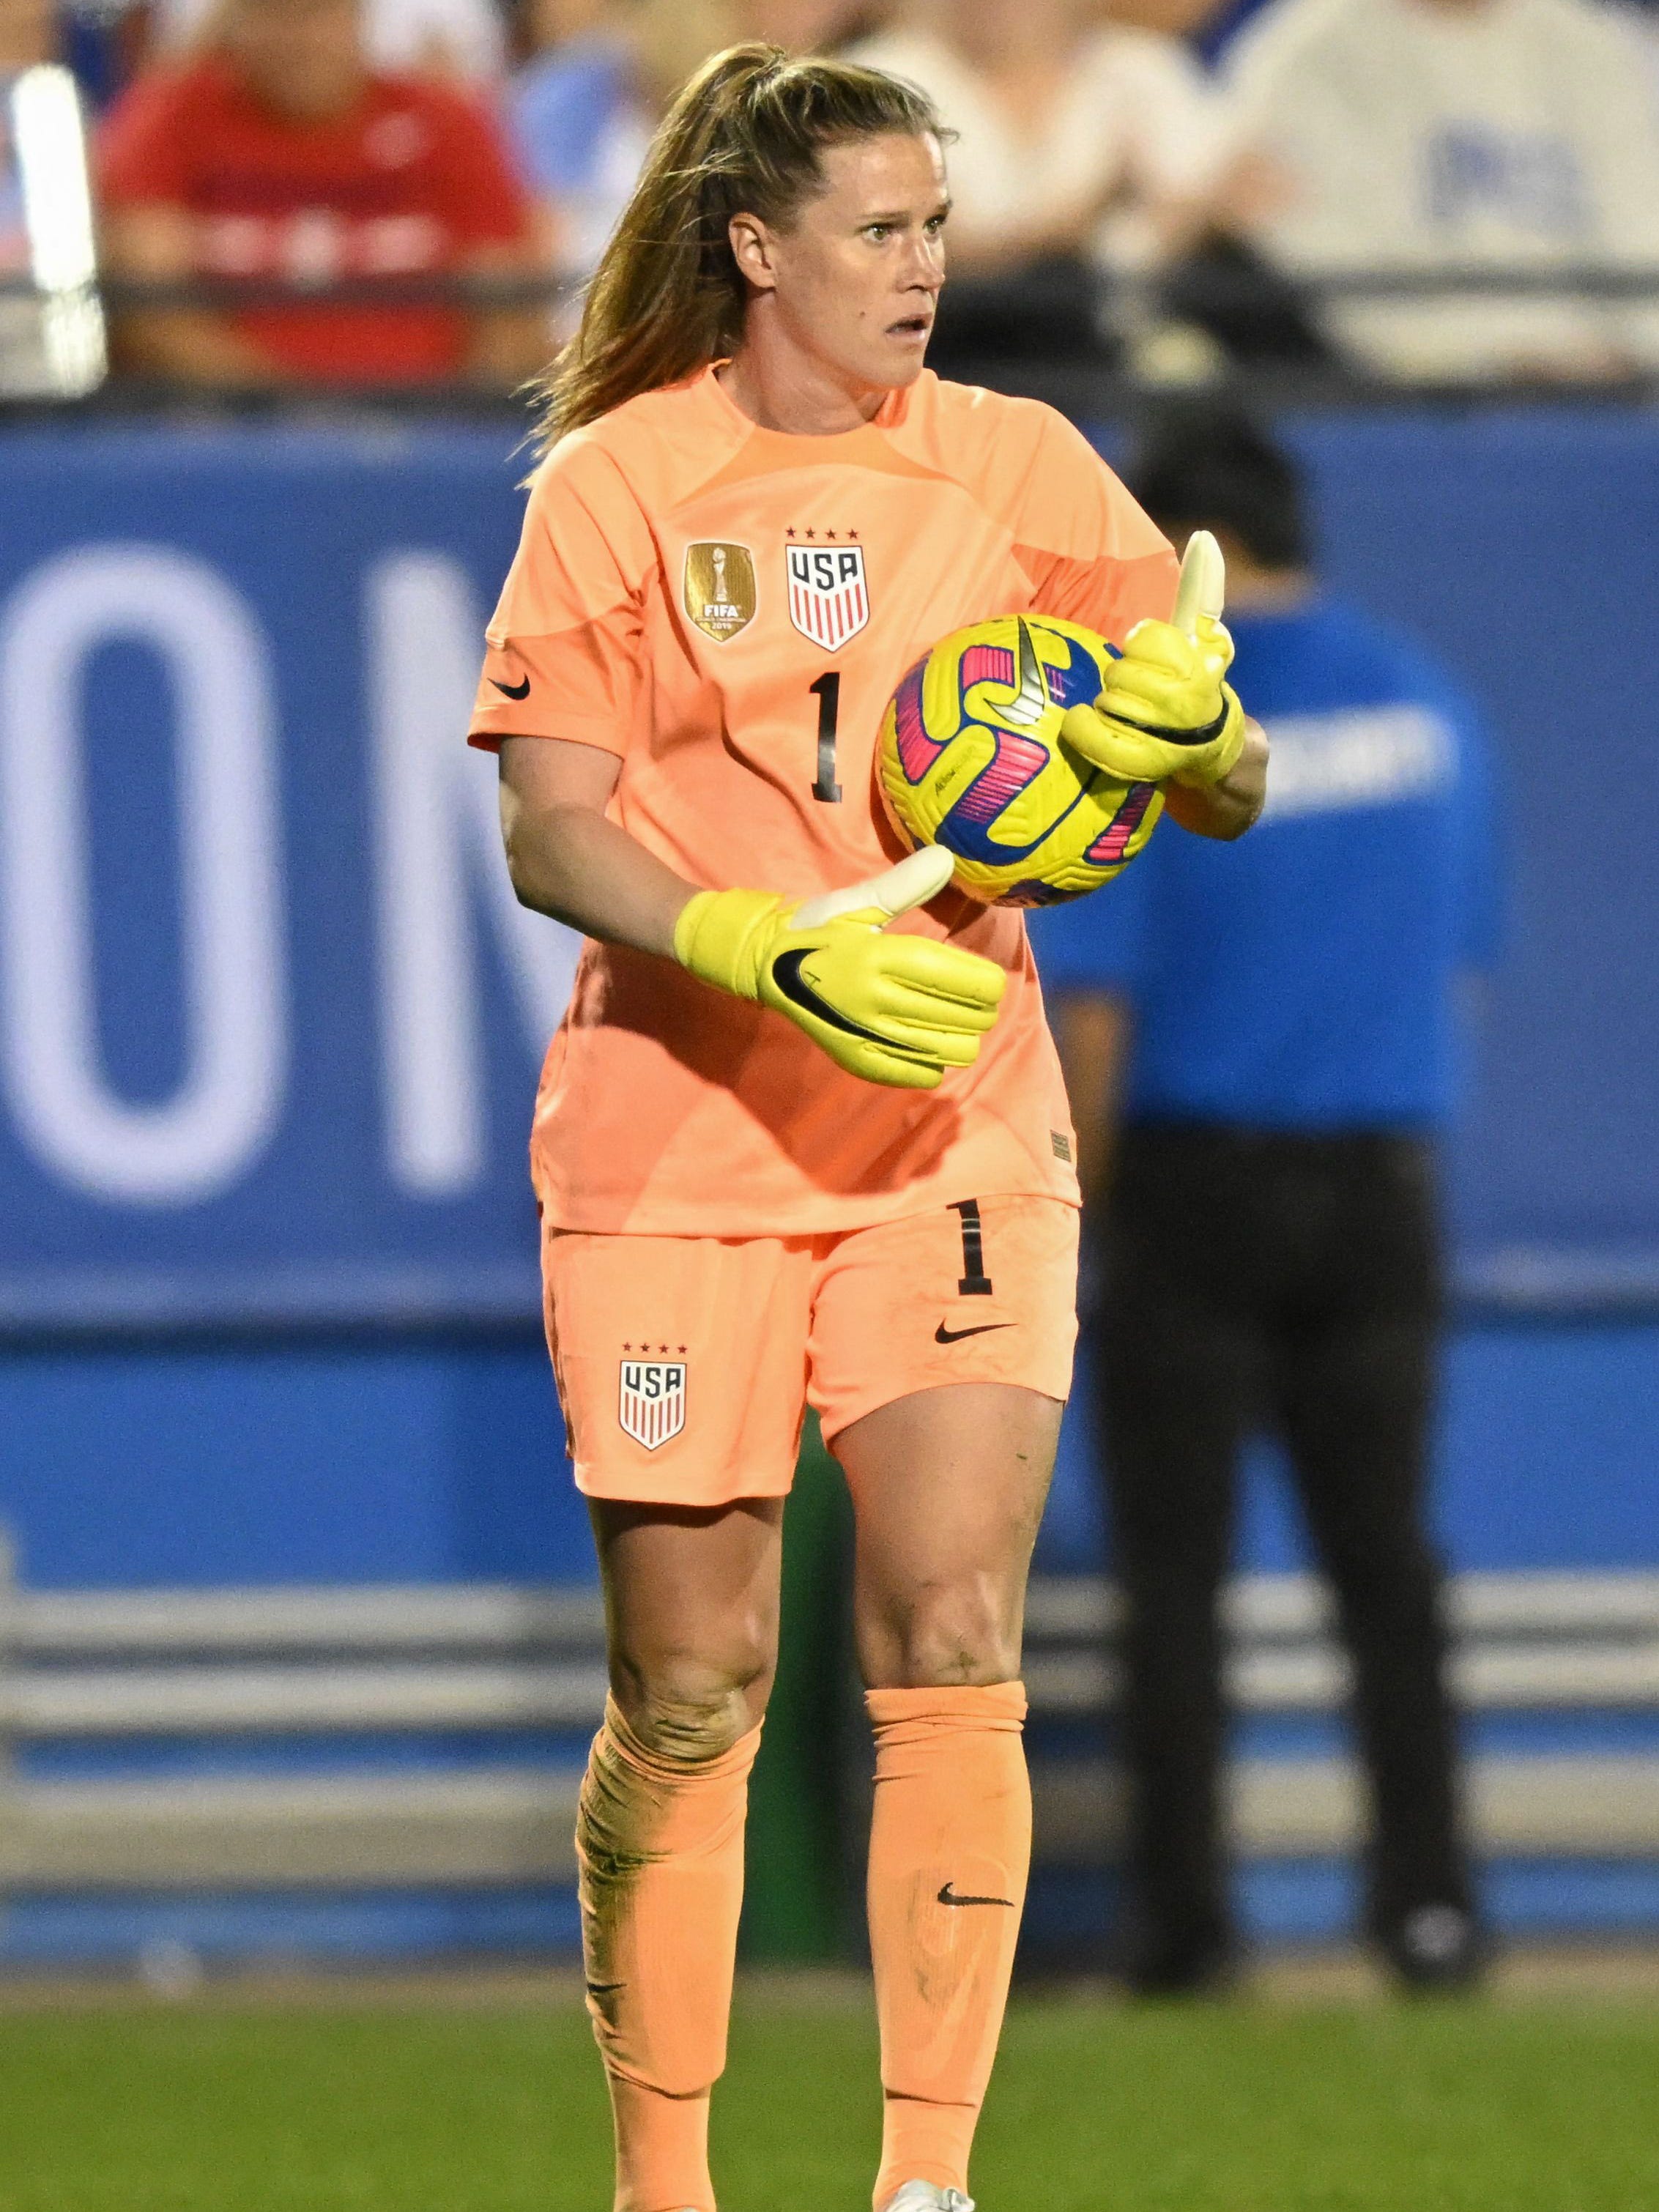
781 1157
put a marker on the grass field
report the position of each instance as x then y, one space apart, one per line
1251 2108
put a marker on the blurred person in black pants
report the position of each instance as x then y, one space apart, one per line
1261 1042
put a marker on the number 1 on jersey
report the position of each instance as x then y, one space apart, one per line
827 691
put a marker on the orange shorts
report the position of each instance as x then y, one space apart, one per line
685 1363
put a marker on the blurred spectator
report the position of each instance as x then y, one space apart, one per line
1078 137
583 109
279 154
1208 24
581 118
1260 1043
807 26
1423 135
459 37
1171 18
49 342
1216 299
92 38
28 34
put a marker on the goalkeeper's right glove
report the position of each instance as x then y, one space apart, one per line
896 1010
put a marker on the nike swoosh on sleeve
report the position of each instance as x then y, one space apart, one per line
948 1896
511 691
943 1335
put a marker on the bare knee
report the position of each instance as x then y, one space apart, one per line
937 1636
692 1707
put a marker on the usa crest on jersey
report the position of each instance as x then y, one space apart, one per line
651 1404
829 593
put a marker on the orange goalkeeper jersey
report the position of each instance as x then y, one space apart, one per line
728 609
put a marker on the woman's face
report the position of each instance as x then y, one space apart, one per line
855 283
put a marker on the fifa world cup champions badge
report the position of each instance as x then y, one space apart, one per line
719 588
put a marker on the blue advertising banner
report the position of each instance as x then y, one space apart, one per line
270 1018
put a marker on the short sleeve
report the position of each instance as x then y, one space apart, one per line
1091 553
143 158
564 647
1100 943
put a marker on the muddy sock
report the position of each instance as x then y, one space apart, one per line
660 1853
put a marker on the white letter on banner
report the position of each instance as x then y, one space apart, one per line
438 836
200 1141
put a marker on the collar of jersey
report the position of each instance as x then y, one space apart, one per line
891 414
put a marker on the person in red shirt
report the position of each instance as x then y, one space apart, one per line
279 154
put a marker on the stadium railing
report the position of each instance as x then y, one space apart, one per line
1088 378
1531 1643
502 1661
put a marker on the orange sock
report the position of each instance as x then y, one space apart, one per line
950 1848
660 1851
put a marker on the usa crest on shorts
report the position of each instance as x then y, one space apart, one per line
829 593
651 1404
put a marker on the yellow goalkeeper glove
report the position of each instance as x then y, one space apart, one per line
1166 714
897 1010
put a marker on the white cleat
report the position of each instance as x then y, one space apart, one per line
927 2196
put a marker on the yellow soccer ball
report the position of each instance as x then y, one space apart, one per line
971 757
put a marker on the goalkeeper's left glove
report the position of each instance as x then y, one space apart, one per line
895 1009
1166 714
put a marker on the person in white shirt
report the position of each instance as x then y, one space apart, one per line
459 37
1078 136
1418 135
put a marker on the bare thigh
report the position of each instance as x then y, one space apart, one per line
948 1487
691 1616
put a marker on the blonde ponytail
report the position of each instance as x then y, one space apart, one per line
745 135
